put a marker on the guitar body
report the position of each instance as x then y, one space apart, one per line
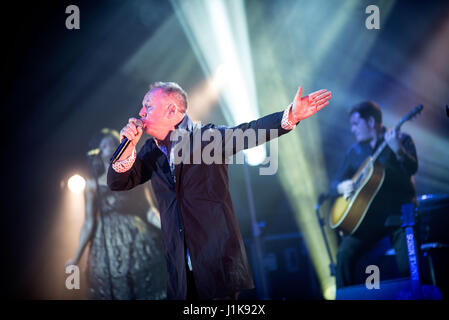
348 214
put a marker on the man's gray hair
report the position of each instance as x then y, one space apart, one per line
173 90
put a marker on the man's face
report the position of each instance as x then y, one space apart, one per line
360 127
156 115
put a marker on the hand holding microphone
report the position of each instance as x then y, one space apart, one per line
132 131
129 135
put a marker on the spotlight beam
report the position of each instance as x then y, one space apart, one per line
220 40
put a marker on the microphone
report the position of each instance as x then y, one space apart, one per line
125 142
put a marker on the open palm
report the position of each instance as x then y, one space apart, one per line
308 105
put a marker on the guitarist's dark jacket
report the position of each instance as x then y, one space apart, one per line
196 212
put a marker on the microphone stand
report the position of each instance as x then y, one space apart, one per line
322 197
262 291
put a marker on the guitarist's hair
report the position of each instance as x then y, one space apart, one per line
367 109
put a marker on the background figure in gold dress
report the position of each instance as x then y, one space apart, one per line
125 259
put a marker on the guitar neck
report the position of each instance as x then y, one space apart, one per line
379 151
384 143
398 126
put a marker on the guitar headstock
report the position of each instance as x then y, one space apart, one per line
417 110
412 114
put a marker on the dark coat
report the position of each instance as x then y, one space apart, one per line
197 212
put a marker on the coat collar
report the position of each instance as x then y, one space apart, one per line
185 125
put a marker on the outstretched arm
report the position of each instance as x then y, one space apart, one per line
301 108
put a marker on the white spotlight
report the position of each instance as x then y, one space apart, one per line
222 74
76 183
255 156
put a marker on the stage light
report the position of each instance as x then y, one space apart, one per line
330 292
221 43
76 183
65 230
222 75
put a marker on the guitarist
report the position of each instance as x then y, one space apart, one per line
400 163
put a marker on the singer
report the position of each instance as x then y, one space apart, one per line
204 252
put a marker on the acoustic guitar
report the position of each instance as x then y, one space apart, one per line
348 213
